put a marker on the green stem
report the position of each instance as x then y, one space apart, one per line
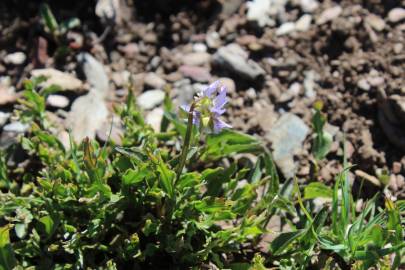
186 145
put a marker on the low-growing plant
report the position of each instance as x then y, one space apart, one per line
148 203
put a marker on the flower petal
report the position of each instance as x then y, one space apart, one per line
219 125
210 90
221 99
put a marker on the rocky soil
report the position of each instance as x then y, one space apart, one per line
277 58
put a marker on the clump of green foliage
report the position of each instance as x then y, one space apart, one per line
91 206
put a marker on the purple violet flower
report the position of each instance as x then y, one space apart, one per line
209 106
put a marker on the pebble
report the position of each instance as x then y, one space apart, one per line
329 15
303 23
285 28
199 74
16 58
87 115
251 93
16 127
229 84
154 118
309 84
363 84
287 136
199 47
121 78
130 50
375 22
213 40
150 99
4 118
259 11
196 59
396 15
154 81
398 48
57 101
396 167
64 80
95 74
235 59
309 5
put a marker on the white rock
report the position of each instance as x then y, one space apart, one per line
150 99
363 84
57 101
213 40
108 10
95 74
258 10
199 47
121 78
154 118
4 118
309 5
196 58
65 80
235 59
303 23
309 84
285 28
287 136
16 127
375 22
88 114
329 14
396 15
16 58
153 80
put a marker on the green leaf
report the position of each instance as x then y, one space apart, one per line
48 225
7 259
132 177
230 142
317 190
281 243
20 230
323 140
166 177
48 18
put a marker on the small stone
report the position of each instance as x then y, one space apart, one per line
57 101
309 84
108 10
329 15
398 48
400 181
199 74
154 118
393 183
251 93
303 23
16 127
396 15
309 5
196 59
111 130
213 40
292 92
199 47
130 50
396 167
4 118
150 99
16 58
285 28
154 81
87 115
375 22
235 59
64 80
259 11
363 84
287 136
370 178
375 81
229 84
95 74
120 78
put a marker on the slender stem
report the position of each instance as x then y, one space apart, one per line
187 140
